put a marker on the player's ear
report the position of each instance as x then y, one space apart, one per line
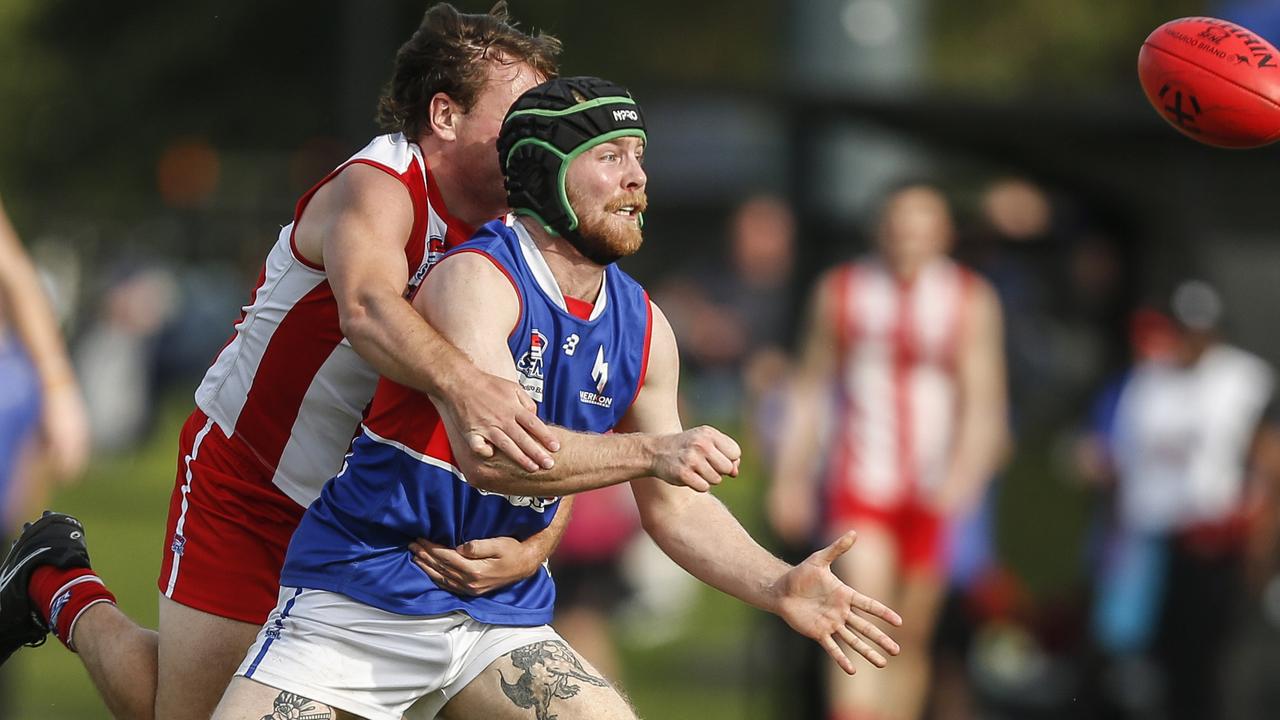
442 115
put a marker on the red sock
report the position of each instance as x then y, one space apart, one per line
61 596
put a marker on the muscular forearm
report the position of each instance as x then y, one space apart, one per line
389 334
703 537
585 461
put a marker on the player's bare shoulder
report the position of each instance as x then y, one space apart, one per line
467 277
361 203
663 367
663 337
467 286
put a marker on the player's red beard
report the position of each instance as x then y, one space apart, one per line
605 238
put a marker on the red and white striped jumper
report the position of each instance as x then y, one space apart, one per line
898 341
276 412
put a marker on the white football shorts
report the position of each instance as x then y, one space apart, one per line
380 665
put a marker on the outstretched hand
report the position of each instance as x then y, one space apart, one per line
816 604
497 413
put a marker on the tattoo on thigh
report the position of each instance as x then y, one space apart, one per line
551 671
288 706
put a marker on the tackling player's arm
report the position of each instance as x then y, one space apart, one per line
982 427
355 228
474 306
704 538
790 503
480 566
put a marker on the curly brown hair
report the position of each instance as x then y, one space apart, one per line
451 53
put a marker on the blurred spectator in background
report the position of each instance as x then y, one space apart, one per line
1187 426
1014 621
43 426
911 344
117 355
1059 279
1128 563
738 321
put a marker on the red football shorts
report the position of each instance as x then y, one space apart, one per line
917 530
228 527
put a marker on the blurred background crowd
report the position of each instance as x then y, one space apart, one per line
1120 561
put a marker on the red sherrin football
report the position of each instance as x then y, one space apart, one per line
1214 81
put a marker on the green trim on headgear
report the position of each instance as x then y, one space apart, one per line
533 214
549 148
531 141
567 159
548 127
584 105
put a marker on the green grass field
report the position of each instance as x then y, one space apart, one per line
705 673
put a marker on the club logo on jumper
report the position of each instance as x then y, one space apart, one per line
435 251
620 115
599 373
536 504
179 544
530 365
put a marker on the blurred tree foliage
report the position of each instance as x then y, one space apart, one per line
1008 47
26 69
93 92
666 41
